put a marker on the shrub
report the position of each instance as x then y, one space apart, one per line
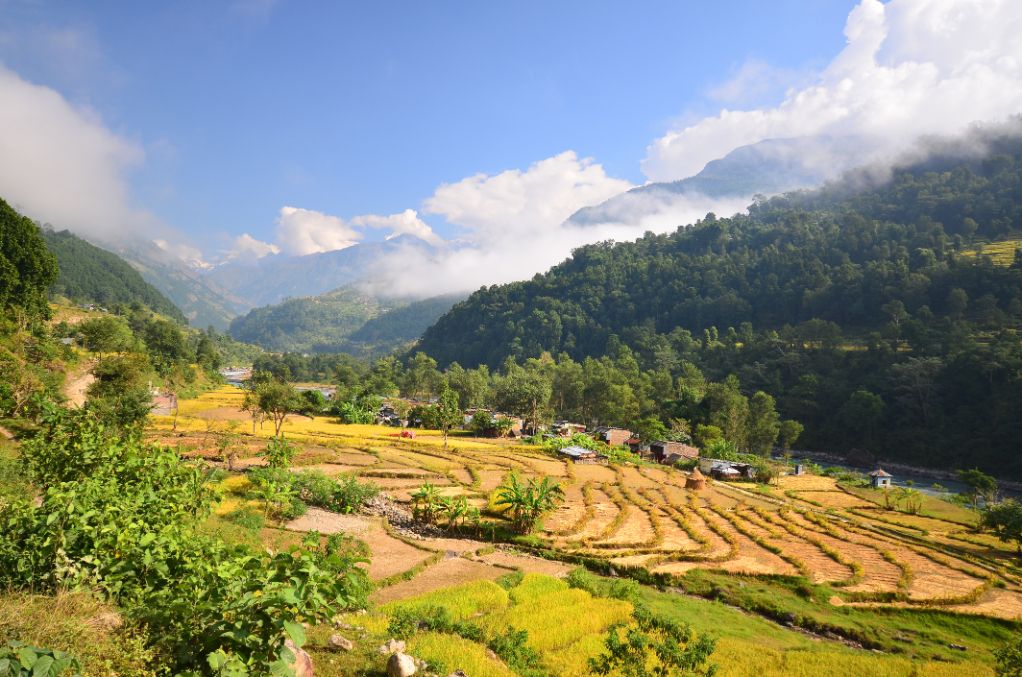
345 494
655 645
279 453
121 517
17 659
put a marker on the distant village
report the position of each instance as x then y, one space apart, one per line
399 413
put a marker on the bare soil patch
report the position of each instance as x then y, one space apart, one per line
326 522
447 573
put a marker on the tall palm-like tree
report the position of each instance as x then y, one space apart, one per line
527 502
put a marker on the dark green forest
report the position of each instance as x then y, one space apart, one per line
864 311
91 274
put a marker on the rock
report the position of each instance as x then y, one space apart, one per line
338 642
109 620
303 661
400 665
392 646
957 647
458 673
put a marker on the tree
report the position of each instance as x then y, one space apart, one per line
276 400
862 415
649 429
107 334
120 395
728 409
523 392
527 502
448 413
764 423
1004 519
27 268
980 486
789 433
422 378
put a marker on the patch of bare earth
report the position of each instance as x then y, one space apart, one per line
568 513
527 563
449 572
604 513
596 473
326 522
77 382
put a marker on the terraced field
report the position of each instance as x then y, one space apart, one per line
623 517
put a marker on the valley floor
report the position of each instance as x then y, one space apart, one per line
883 592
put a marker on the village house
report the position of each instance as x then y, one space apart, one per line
613 436
727 470
670 453
566 428
583 455
880 479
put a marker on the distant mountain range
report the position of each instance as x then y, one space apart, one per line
217 295
201 301
274 278
766 168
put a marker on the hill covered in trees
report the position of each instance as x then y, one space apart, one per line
866 311
345 320
88 273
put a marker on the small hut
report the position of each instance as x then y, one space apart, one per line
696 481
800 469
880 479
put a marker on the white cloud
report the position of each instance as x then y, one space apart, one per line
184 252
521 252
515 203
405 223
246 246
60 164
910 67
754 81
304 231
515 225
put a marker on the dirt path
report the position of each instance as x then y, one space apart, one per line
6 434
78 381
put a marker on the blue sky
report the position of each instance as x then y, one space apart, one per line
355 108
251 127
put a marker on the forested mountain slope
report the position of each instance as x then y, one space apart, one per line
344 320
865 311
88 273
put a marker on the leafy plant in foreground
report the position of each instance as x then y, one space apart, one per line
20 660
123 523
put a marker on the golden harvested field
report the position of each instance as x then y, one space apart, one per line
645 517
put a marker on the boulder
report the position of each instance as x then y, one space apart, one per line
392 646
303 661
338 642
400 665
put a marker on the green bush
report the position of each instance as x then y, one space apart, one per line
19 660
345 494
121 517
